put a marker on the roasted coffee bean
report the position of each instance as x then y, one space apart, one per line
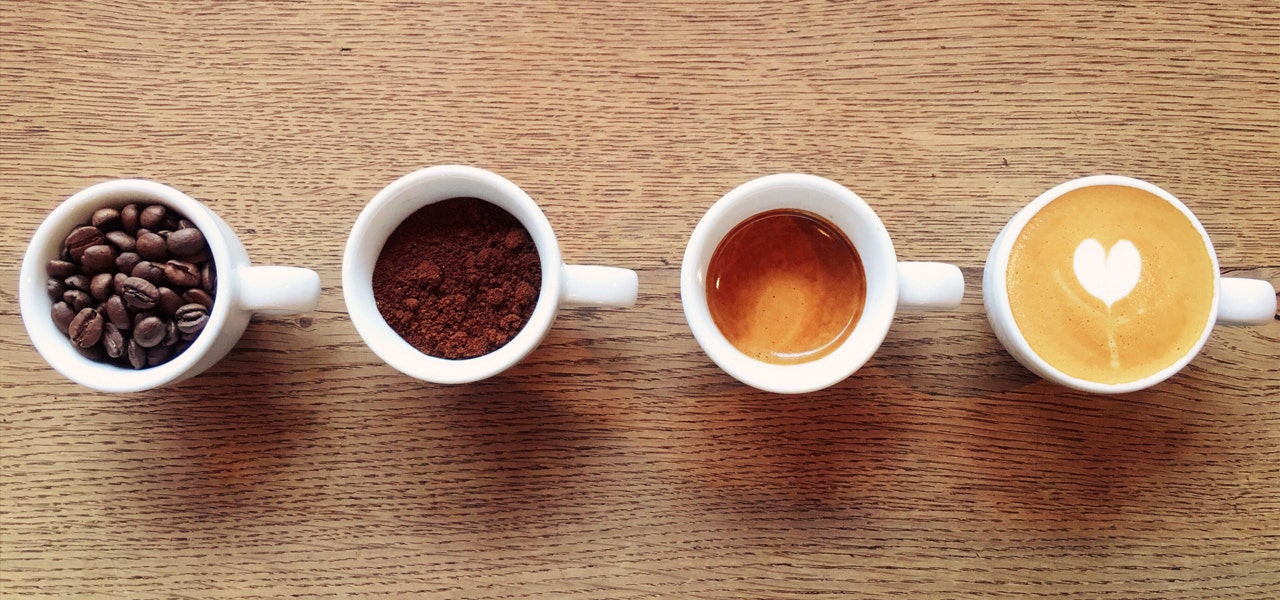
81 238
140 293
99 259
185 224
117 313
209 278
62 315
182 346
77 299
158 355
149 331
200 257
56 287
62 269
101 286
152 217
182 274
136 353
118 283
113 341
170 333
152 247
93 353
169 301
138 316
185 242
78 281
86 329
191 318
199 296
153 272
129 218
122 240
127 261
105 218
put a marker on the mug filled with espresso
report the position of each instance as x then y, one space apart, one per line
453 274
130 285
790 282
1110 284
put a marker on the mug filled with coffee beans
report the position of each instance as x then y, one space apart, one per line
130 285
790 282
453 274
1110 284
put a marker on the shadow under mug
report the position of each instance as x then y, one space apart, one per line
563 286
242 290
1235 301
891 285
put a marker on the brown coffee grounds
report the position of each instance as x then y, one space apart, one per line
458 278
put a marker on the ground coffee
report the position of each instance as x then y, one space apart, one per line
458 278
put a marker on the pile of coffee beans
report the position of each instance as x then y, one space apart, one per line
134 286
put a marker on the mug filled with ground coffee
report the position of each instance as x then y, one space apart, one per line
1110 284
453 274
130 285
790 283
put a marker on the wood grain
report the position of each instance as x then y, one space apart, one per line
617 461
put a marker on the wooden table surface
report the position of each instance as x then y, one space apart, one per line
617 461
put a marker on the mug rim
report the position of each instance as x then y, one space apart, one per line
396 202
878 309
34 302
998 261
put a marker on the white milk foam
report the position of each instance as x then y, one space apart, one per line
1108 275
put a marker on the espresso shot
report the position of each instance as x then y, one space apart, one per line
786 287
133 286
458 278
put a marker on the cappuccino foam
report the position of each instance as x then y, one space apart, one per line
1110 284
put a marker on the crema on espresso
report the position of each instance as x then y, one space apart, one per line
1110 284
786 287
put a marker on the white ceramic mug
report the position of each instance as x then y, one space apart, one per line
891 285
563 286
1236 301
242 289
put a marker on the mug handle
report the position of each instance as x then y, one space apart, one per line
588 285
1246 302
929 286
277 290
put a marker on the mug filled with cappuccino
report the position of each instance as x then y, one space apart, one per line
1110 284
790 282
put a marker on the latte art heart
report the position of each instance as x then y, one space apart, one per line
1147 278
1108 275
